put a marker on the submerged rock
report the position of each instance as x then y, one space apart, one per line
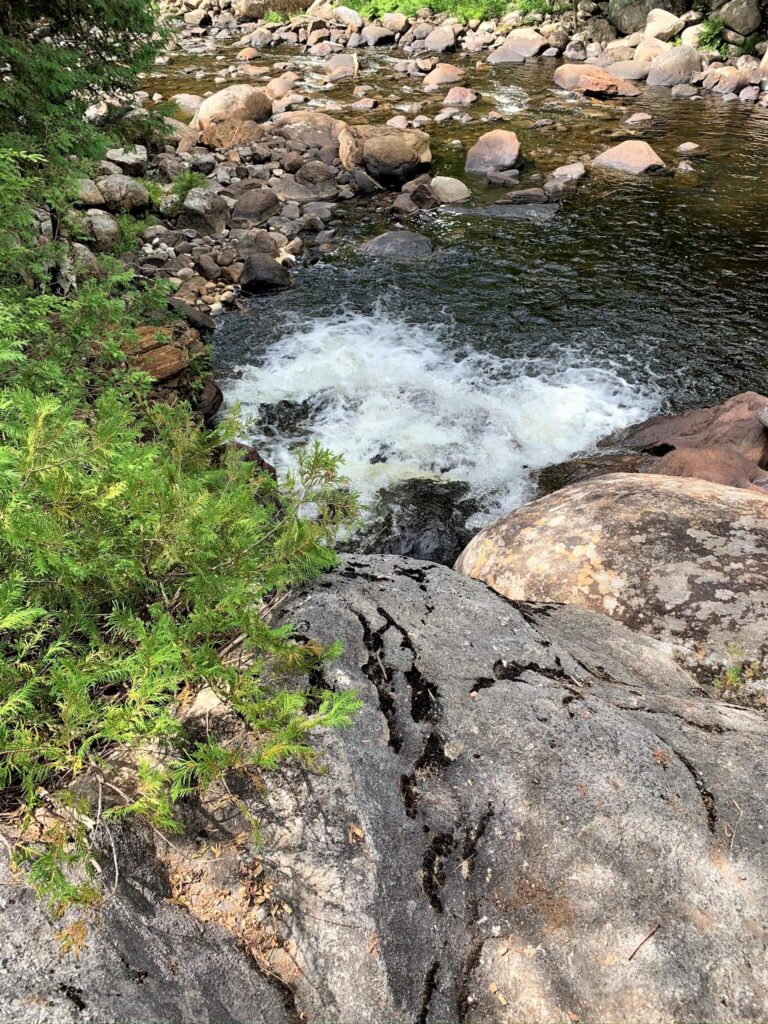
538 213
419 518
400 245
592 80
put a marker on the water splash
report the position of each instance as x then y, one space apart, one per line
400 403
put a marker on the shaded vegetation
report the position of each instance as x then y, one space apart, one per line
137 547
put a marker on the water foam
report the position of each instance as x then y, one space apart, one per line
399 403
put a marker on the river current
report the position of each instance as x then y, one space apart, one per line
520 343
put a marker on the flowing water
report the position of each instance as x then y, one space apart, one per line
519 343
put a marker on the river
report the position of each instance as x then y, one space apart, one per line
519 343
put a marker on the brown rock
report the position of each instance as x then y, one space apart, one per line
312 128
389 155
458 96
592 81
164 352
230 134
235 103
714 464
254 207
497 150
733 426
631 157
442 74
554 478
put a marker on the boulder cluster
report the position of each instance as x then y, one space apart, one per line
634 40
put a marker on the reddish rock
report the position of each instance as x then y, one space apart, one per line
389 155
716 464
458 96
592 81
164 352
230 134
733 426
442 74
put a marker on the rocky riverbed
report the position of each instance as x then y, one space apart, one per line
476 259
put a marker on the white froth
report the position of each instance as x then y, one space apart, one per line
386 389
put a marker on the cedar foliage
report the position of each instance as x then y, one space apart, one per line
135 545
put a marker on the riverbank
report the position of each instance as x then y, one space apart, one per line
547 800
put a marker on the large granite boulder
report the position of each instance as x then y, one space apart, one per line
742 16
535 816
682 560
662 24
235 103
391 156
123 194
519 45
674 67
203 211
145 958
255 206
630 15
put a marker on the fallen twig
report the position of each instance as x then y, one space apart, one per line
640 945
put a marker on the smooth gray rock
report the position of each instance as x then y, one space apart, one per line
123 194
146 961
261 274
743 16
102 228
204 212
538 790
674 67
532 803
629 15
400 245
254 207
